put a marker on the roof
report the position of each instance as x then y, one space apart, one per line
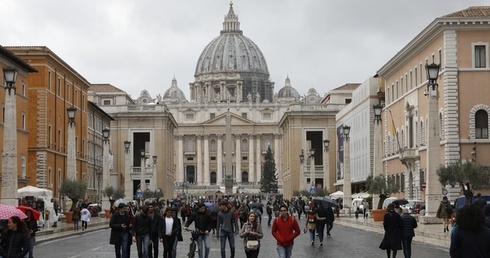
104 88
348 86
473 11
17 60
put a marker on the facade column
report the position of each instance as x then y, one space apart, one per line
258 159
106 205
128 183
433 191
9 155
238 159
251 159
276 157
219 160
199 159
180 158
206 159
71 159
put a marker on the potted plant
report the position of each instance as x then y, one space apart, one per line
75 190
113 194
382 187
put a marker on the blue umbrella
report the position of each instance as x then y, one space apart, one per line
208 204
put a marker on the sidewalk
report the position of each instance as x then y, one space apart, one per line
426 233
66 229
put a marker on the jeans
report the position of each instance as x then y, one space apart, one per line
174 252
407 246
153 247
203 244
121 249
312 235
270 219
320 228
32 242
142 243
284 251
231 238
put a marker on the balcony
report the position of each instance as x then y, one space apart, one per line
408 156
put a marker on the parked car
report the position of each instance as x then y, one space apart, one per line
388 201
460 201
412 204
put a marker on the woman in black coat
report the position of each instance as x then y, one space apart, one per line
120 231
392 240
15 240
168 235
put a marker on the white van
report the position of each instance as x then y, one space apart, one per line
388 201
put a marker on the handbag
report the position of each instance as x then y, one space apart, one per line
252 244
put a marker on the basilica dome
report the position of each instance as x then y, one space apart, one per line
288 92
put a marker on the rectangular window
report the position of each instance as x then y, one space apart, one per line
23 125
416 79
480 56
212 115
106 102
244 115
267 115
189 116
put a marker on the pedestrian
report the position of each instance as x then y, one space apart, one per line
179 237
84 217
15 239
408 224
251 234
329 221
56 208
31 224
311 225
141 232
120 231
321 220
155 219
227 228
202 222
365 206
183 213
76 218
129 211
444 212
392 240
168 231
285 229
470 238
268 209
242 214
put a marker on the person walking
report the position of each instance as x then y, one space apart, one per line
268 209
120 226
202 222
155 219
321 220
141 232
179 237
470 238
84 217
31 224
227 228
330 218
128 210
285 229
76 218
365 206
311 225
15 239
251 234
444 212
393 236
168 230
408 224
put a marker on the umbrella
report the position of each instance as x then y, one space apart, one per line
326 202
400 201
336 195
213 208
207 204
257 205
7 211
33 191
35 213
360 195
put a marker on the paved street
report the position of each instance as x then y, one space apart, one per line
346 242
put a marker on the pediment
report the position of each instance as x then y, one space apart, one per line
221 120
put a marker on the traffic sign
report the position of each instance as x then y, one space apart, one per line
424 185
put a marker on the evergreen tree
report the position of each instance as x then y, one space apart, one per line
268 182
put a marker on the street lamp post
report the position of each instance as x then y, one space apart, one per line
378 145
154 175
142 172
433 189
71 161
9 155
326 170
312 167
128 189
106 205
347 181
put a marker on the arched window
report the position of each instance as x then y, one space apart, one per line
481 124
212 178
244 177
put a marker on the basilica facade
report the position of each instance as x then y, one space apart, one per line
223 130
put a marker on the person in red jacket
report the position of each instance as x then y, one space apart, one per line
285 229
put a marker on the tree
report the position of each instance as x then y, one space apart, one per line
268 182
113 194
382 187
469 176
73 189
152 194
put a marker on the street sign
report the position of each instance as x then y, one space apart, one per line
444 191
424 185
139 193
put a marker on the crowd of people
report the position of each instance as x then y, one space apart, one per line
150 225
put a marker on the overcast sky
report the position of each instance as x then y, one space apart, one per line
143 44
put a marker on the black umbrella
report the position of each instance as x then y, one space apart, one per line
326 202
214 208
400 201
257 205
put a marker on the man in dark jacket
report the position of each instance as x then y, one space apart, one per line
203 222
119 225
408 224
330 219
141 232
154 223
227 227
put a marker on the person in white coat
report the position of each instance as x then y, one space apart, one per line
84 216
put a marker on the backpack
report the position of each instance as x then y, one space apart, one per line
448 209
311 218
